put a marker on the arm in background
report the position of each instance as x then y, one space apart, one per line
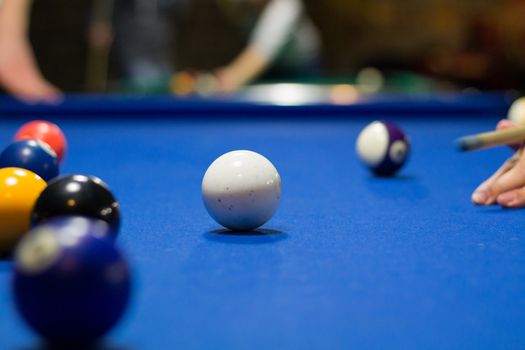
274 28
19 72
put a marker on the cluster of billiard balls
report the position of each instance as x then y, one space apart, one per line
71 283
242 189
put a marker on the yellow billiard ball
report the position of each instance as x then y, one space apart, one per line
182 83
19 190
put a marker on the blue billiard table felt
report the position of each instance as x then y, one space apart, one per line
348 261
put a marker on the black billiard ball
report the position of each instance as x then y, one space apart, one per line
32 155
77 195
71 283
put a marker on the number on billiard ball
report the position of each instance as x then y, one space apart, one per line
71 284
383 147
77 195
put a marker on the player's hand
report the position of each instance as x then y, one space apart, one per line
192 82
507 185
19 73
228 80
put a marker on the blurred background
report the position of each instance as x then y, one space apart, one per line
416 45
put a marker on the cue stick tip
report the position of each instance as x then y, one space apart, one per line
467 143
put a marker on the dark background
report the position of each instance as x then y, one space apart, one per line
473 42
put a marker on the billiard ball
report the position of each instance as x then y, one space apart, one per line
516 112
241 190
183 83
32 155
77 195
46 132
19 189
383 147
71 283
370 80
206 84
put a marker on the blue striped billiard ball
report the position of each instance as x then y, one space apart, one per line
71 283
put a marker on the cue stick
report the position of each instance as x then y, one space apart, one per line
491 139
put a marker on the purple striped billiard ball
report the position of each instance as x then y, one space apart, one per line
383 147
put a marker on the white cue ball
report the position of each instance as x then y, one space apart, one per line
517 111
241 190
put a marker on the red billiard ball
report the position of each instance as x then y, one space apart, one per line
46 132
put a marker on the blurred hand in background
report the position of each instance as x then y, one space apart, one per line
19 73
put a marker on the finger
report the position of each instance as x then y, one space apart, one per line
39 92
512 199
482 194
505 124
508 124
48 93
511 180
